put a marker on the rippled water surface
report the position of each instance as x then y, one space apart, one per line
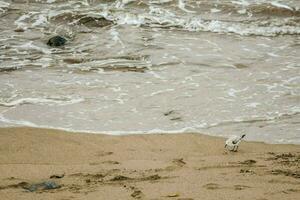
218 67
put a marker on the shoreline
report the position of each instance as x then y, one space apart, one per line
151 166
149 132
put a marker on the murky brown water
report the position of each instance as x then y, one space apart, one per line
215 67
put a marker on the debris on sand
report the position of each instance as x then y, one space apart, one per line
120 178
57 176
248 162
295 174
47 185
247 171
18 185
285 158
151 178
179 162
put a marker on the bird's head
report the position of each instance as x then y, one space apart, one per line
243 135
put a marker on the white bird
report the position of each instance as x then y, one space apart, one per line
232 143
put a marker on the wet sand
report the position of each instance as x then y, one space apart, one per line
177 166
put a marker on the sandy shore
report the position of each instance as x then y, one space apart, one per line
179 166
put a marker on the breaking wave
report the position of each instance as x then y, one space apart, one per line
245 19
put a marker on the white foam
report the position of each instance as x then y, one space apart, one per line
161 92
241 2
20 21
3 6
232 92
279 5
253 105
181 5
242 11
196 24
41 101
51 1
115 36
130 19
161 17
29 45
214 10
41 20
160 1
17 122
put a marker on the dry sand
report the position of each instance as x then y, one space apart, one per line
179 166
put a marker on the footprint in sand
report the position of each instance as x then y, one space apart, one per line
185 199
136 193
111 162
215 186
212 186
179 162
103 153
248 162
240 187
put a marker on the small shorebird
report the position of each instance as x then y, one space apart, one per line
232 143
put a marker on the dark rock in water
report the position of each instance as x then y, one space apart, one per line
9 69
56 41
47 185
94 21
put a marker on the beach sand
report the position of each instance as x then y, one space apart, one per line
161 166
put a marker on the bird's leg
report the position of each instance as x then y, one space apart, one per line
225 146
233 148
236 149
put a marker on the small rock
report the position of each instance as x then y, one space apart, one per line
169 113
240 66
88 180
19 29
173 195
56 41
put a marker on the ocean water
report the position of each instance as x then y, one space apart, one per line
219 67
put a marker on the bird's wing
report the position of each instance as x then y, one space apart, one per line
234 139
230 140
